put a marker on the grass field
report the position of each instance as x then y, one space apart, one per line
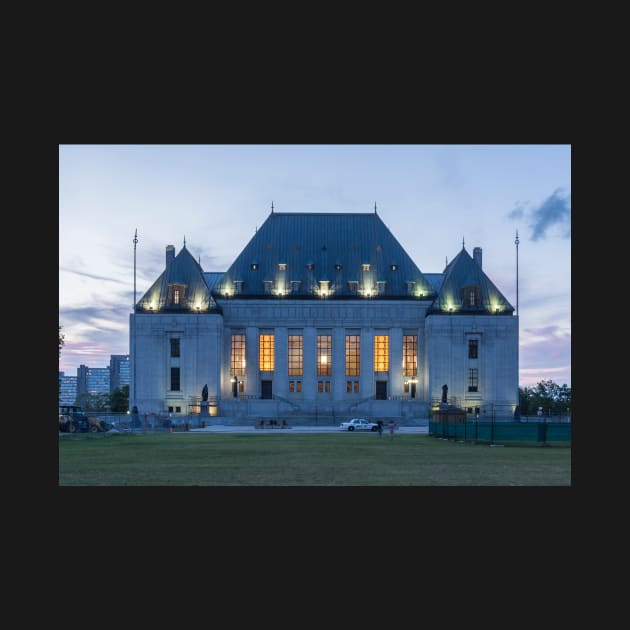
345 459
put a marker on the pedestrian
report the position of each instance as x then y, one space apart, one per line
392 428
380 427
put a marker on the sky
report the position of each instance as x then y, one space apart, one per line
215 196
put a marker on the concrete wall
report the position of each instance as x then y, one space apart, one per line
199 361
446 338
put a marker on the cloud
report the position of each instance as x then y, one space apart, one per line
554 211
90 275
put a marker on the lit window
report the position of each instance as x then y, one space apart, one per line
473 379
282 266
324 355
295 355
176 294
353 355
410 355
266 349
470 296
323 288
323 386
352 387
365 266
381 353
238 355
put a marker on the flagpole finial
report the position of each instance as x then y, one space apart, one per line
272 206
184 240
375 207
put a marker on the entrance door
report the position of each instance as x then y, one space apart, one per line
266 389
413 390
381 390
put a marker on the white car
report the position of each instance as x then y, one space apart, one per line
358 424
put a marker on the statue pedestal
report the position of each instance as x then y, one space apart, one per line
203 411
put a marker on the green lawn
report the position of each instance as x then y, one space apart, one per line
345 459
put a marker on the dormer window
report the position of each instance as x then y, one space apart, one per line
238 287
323 288
471 297
176 295
393 267
295 286
254 266
338 267
267 284
282 266
365 266
380 287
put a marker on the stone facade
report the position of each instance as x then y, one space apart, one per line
459 328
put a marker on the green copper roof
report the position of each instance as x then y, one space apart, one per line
180 288
461 277
298 253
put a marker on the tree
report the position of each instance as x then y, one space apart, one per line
93 402
553 398
119 399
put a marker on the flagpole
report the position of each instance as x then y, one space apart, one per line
516 242
135 243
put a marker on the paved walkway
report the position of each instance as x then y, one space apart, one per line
224 428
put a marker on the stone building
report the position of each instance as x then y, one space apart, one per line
323 316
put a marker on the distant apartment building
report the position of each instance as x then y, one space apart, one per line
92 380
118 371
67 389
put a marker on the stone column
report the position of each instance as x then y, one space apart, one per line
252 386
309 384
367 387
339 363
280 375
395 362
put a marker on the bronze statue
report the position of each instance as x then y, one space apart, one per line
444 392
204 393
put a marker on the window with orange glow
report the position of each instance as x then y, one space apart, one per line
266 356
381 353
238 355
324 355
410 355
